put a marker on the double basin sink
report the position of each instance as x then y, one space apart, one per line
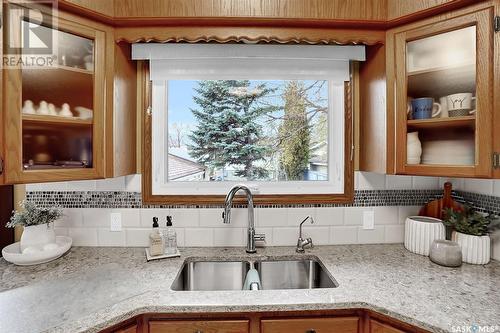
273 274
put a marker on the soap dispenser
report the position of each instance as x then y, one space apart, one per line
170 237
156 242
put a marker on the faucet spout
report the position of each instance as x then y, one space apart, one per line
226 215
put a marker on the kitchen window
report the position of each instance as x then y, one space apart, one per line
273 117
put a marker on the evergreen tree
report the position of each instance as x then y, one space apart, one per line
294 132
228 132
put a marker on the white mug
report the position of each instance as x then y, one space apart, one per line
444 107
462 101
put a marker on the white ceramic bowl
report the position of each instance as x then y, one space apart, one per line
12 253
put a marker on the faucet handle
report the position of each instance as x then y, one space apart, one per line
310 241
260 237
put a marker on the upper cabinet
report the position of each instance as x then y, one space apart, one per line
443 97
433 112
60 96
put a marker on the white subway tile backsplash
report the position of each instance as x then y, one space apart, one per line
386 215
456 183
105 237
131 217
61 231
319 235
137 237
147 214
329 216
81 185
212 217
496 188
269 235
271 217
354 215
425 183
229 236
398 182
483 186
394 233
180 236
199 237
370 181
343 235
185 217
374 236
56 186
73 218
83 236
96 217
111 184
133 183
285 236
297 215
405 211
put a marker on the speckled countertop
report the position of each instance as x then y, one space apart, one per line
89 289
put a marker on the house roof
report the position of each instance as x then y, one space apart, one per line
179 167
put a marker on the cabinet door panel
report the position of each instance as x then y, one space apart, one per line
311 325
444 97
199 326
378 327
130 329
54 110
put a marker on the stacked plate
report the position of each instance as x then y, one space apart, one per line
449 152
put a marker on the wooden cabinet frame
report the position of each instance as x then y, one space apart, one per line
149 198
12 124
365 320
484 75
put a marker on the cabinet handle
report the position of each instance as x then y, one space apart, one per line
312 330
198 331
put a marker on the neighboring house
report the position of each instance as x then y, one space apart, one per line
318 162
182 169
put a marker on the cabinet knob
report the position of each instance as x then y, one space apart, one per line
198 331
312 330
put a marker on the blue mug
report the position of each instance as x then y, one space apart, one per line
425 108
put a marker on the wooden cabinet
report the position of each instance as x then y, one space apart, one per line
311 325
62 116
199 326
128 329
442 66
378 327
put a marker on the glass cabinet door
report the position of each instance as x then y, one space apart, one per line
58 102
442 106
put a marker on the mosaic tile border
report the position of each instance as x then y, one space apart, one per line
93 199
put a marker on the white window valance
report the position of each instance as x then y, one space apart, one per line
248 61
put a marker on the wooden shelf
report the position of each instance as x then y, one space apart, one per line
441 81
35 119
442 123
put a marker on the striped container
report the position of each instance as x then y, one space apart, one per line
421 231
475 249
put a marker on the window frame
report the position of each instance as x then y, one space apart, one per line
145 90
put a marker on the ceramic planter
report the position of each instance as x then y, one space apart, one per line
475 249
37 235
421 231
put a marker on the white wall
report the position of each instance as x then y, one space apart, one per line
204 227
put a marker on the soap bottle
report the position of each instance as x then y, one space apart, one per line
170 237
156 242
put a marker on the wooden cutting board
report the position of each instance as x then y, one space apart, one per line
435 208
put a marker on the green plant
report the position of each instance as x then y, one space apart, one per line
33 215
470 222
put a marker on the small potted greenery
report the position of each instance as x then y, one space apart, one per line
471 230
37 222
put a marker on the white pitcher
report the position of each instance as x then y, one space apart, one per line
413 148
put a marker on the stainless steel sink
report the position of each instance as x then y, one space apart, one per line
274 274
294 274
211 275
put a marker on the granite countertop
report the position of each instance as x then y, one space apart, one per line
89 289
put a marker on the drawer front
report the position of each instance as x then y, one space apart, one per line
199 326
311 325
378 327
